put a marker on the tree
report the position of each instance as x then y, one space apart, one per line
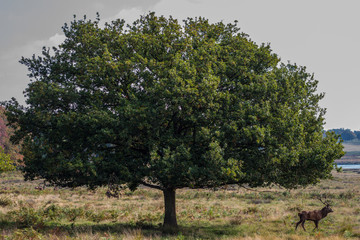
170 106
3 129
357 133
6 164
5 143
346 134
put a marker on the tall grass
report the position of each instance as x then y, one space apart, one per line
236 213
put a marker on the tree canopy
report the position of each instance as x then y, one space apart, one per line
168 106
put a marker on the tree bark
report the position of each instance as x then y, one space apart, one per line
170 223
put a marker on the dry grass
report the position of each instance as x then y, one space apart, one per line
28 213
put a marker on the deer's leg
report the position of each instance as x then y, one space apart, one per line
316 224
302 224
297 224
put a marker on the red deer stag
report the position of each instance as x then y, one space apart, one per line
315 215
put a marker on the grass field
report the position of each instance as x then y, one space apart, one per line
29 213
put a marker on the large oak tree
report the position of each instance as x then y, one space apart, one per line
169 106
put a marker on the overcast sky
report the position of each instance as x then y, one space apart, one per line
323 35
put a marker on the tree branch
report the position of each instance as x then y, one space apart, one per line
151 185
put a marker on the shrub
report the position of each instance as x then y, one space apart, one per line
28 233
114 215
237 220
347 195
4 201
103 215
251 210
27 217
73 213
53 212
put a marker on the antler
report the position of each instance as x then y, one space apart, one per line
327 202
319 198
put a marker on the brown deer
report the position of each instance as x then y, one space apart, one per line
315 215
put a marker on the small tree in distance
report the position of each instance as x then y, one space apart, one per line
6 164
8 152
346 134
169 106
5 134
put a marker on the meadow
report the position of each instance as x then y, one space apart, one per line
352 153
29 212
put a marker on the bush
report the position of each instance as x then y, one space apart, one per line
237 220
53 212
251 210
98 217
28 233
73 213
347 195
4 201
6 164
27 217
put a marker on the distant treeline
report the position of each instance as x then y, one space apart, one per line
346 134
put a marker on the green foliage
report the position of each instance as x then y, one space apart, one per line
170 106
73 213
27 217
53 212
27 233
6 164
347 195
346 134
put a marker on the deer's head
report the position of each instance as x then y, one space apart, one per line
327 207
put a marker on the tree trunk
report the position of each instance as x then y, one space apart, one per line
170 223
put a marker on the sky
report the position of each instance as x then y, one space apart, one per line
323 35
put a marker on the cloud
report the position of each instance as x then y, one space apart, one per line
31 48
129 15
56 39
13 76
